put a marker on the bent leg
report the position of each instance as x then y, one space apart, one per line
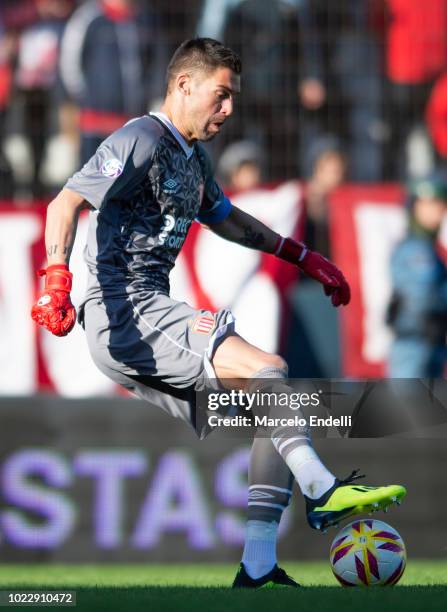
241 365
275 461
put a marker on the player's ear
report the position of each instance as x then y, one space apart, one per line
183 83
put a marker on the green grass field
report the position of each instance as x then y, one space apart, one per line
204 588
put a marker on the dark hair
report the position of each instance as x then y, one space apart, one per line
204 54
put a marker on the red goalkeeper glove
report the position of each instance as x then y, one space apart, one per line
54 310
318 267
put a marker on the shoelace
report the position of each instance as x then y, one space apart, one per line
353 476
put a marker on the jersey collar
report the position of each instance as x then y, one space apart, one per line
174 131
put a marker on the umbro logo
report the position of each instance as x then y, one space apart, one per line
259 495
170 186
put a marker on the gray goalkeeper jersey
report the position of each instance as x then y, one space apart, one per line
147 186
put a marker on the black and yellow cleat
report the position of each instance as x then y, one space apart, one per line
277 577
344 500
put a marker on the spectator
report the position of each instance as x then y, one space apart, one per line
415 55
339 89
418 308
240 167
329 167
36 79
264 33
111 65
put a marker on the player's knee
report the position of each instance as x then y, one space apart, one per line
235 358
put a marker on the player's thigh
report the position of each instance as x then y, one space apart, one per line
155 336
236 360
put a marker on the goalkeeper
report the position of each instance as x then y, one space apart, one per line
144 187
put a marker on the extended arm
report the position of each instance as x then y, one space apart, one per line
242 228
53 309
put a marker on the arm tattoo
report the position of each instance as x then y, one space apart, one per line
252 239
52 250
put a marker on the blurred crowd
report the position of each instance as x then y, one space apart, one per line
331 91
368 78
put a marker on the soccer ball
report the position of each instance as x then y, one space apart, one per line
368 553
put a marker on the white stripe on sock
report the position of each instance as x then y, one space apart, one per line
260 486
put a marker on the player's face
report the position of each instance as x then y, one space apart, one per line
211 101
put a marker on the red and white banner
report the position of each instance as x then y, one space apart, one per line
366 223
210 273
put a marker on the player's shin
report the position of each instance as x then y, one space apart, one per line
270 489
293 443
